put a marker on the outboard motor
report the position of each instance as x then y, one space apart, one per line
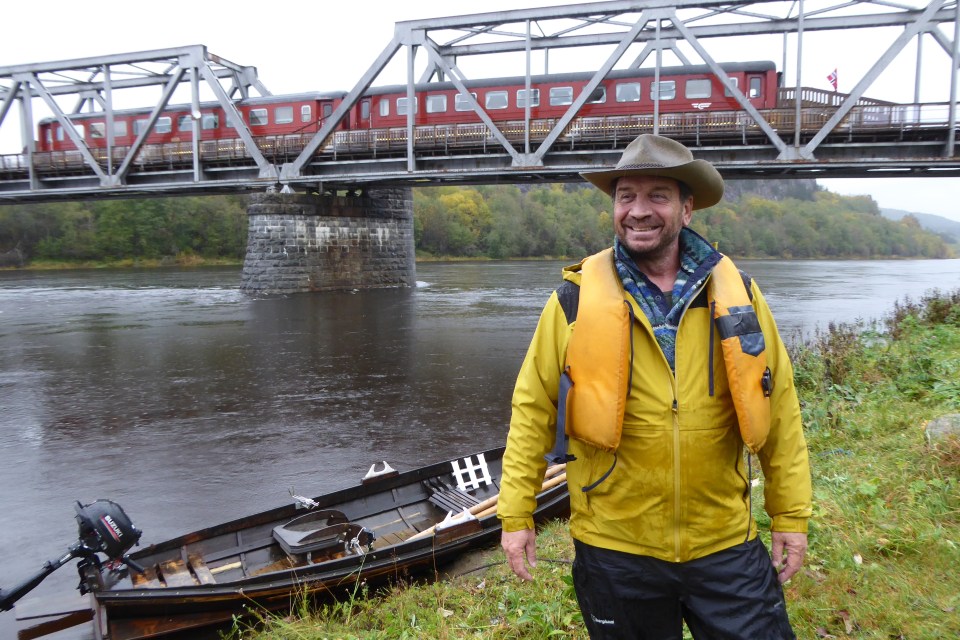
104 528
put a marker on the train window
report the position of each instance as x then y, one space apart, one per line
184 123
59 134
402 106
327 109
436 104
365 110
384 107
598 96
699 88
735 82
119 128
97 130
628 92
522 98
667 90
164 125
283 115
210 121
139 126
755 84
306 113
561 96
496 100
462 102
48 136
258 117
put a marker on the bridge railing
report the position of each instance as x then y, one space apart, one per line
886 121
810 96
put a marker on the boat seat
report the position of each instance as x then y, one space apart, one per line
327 531
450 498
454 500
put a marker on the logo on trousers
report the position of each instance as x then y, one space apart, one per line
601 620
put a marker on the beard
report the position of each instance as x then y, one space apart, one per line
651 252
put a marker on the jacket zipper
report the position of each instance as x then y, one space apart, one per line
675 413
676 475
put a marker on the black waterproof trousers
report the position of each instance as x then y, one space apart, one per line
731 594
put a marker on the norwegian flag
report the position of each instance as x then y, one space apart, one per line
832 79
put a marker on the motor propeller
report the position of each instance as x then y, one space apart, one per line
104 528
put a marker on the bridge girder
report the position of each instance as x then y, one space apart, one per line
94 81
685 28
629 22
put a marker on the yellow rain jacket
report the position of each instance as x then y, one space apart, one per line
680 488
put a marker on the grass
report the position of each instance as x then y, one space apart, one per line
487 603
884 557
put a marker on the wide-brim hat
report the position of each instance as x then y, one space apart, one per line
651 155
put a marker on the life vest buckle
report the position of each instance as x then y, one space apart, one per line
766 382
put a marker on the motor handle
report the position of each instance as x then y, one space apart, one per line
9 597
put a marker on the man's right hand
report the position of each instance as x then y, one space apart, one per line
520 548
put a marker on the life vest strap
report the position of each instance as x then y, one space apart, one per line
593 485
559 453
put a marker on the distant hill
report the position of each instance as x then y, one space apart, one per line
801 189
938 224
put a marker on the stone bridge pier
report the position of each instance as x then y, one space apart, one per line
309 242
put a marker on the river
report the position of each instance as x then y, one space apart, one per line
189 403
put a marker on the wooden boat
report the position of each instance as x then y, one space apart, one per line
388 527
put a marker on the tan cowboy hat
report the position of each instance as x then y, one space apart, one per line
651 155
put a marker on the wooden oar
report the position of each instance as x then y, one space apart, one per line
554 470
548 484
489 506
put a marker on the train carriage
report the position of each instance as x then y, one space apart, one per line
265 116
622 105
625 92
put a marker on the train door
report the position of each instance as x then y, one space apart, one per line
363 114
755 89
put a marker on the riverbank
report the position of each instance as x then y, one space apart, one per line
884 539
182 260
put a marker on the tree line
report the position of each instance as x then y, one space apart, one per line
795 220
210 227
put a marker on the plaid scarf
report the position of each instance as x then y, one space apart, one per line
697 259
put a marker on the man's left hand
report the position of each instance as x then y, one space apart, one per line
788 550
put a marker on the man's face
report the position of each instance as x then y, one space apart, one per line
648 215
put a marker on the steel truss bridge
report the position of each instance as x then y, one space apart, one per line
812 134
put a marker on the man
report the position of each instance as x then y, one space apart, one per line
666 364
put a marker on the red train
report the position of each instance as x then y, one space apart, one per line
377 122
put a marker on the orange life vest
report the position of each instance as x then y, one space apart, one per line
599 355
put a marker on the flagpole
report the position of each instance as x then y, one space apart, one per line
952 115
796 132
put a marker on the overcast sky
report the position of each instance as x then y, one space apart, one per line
328 46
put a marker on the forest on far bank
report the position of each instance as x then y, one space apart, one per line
756 219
